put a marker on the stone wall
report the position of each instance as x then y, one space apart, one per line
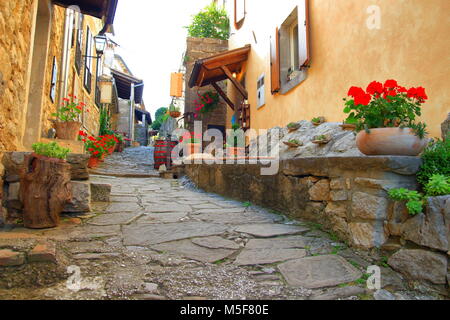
199 48
16 19
347 196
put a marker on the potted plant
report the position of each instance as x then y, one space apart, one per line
206 103
293 126
234 147
318 121
120 142
293 143
95 147
385 118
348 126
67 124
321 139
45 185
174 111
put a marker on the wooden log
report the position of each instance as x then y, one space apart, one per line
45 189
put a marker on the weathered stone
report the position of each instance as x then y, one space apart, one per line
446 127
268 256
158 218
96 256
13 192
122 207
238 217
320 191
420 265
216 243
433 228
366 206
9 258
78 164
270 230
168 207
383 295
118 218
318 272
150 287
339 293
397 217
336 209
222 210
278 243
81 197
340 195
386 185
337 184
43 252
100 192
189 250
159 233
367 235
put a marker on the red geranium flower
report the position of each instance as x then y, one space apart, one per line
389 84
355 92
375 87
363 99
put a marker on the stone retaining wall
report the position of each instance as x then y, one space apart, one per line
348 196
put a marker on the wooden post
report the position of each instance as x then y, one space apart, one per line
45 189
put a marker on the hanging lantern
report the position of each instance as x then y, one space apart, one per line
176 85
106 90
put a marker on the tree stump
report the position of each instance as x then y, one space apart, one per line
45 189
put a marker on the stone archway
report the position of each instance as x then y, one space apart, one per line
39 52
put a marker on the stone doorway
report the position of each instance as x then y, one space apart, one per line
39 53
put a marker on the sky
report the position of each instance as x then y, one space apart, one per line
153 40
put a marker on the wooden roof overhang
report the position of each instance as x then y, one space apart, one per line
221 67
102 9
123 83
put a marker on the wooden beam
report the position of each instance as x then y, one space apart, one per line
223 95
238 86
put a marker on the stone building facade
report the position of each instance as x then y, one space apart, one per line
199 48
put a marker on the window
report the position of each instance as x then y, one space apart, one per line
54 80
290 51
239 13
88 61
79 44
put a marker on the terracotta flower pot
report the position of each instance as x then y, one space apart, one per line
193 148
93 162
175 114
390 141
67 130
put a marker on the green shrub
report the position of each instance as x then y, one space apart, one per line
436 160
211 22
51 150
439 185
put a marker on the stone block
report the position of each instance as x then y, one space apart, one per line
9 258
431 229
43 252
367 235
320 191
420 265
13 191
397 217
336 209
100 192
366 206
79 169
337 184
81 198
339 195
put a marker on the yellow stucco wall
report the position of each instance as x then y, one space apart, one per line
411 46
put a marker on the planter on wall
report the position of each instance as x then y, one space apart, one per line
390 141
67 130
93 162
175 114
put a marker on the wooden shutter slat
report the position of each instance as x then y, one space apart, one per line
275 61
303 33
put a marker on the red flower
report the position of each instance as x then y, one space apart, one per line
401 89
92 139
389 84
417 93
66 100
375 88
363 99
355 92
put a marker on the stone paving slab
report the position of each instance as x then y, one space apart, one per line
119 218
158 218
236 218
319 271
124 199
270 230
222 210
216 243
123 207
136 235
192 251
167 207
298 242
268 256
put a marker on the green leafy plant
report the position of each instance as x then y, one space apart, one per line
174 108
104 122
388 105
292 125
70 111
210 22
436 160
294 141
160 117
50 150
321 138
438 185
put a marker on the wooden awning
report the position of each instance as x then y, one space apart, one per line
229 65
102 9
123 83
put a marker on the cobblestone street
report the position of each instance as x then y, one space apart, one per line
162 239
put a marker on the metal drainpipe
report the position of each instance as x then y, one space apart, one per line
65 56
